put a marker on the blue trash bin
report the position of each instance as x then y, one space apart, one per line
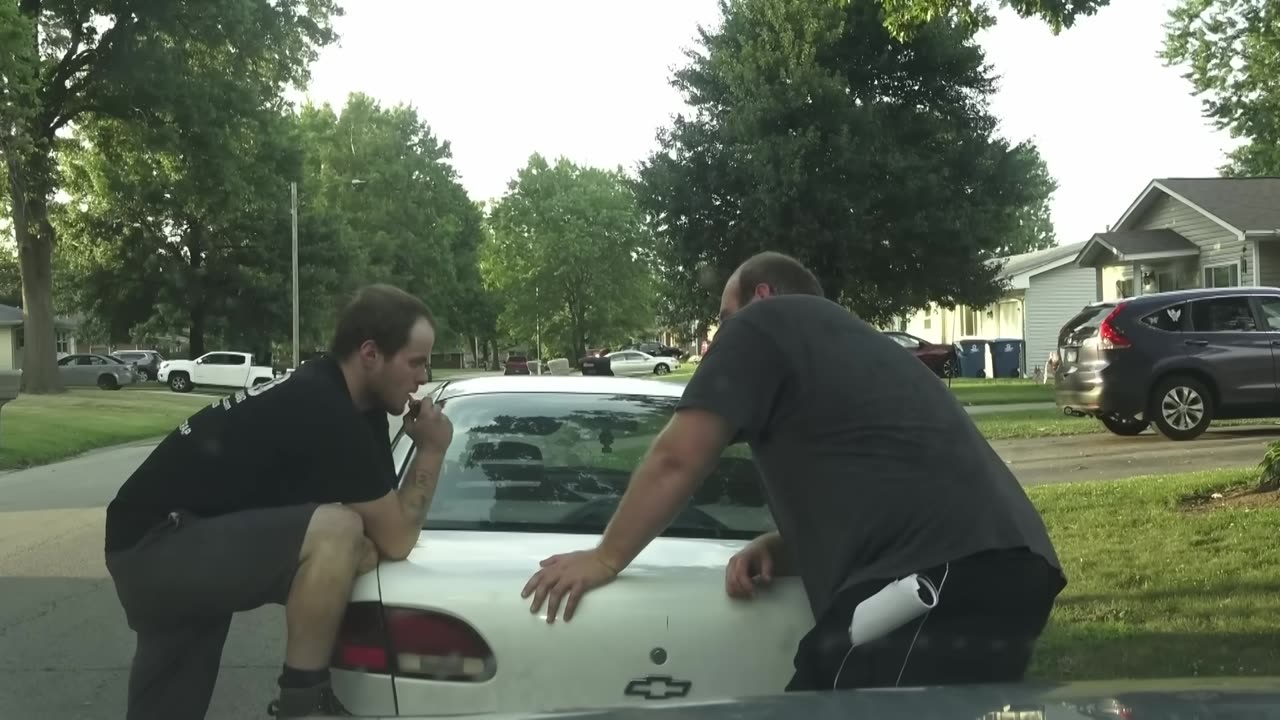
973 358
1006 358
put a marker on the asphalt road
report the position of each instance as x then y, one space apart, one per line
67 648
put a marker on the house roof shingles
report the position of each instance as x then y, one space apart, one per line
12 317
1248 203
1018 264
1142 242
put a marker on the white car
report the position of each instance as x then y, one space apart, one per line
536 467
634 362
219 369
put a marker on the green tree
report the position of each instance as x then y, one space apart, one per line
155 62
904 17
1231 52
1034 227
570 252
188 233
10 278
815 132
388 181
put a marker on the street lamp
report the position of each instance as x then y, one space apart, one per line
356 184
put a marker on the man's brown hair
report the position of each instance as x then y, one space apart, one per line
783 274
381 313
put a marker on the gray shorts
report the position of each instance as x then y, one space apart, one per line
179 587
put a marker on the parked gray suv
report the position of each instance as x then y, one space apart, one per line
1177 360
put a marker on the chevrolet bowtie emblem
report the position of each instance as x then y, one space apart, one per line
658 687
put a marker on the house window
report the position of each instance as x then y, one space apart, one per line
928 322
64 341
1218 276
969 322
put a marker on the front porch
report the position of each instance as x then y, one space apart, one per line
1142 262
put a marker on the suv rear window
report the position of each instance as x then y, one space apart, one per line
1084 325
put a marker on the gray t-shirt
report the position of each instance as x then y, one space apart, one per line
872 468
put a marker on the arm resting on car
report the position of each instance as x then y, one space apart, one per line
394 521
681 457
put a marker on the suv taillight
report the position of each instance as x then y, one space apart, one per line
411 643
1109 336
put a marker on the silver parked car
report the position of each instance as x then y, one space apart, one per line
93 370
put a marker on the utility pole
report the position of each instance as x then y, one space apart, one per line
293 195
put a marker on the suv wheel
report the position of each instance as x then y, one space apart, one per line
1181 408
950 368
1124 426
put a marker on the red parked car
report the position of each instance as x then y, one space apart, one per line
942 359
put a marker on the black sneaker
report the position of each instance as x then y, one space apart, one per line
312 702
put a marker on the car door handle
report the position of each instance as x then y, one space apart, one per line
1200 343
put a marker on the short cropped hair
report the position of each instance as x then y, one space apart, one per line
783 274
381 313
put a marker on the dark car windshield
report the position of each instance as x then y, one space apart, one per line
560 462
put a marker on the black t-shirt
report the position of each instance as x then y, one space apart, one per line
872 468
296 440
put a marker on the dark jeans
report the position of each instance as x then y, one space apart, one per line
990 612
181 584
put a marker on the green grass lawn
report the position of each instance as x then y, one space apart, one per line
38 429
1001 392
1155 591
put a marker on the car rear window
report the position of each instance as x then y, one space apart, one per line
1084 325
560 462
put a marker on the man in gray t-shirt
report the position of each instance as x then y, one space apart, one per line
873 471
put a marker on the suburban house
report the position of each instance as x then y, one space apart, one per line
11 337
1044 289
1190 232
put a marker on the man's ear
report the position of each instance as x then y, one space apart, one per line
763 290
369 353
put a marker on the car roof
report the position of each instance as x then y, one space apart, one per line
1192 294
573 384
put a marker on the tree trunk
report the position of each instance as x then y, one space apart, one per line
34 236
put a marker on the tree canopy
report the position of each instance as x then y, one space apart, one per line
1231 52
814 131
570 252
158 63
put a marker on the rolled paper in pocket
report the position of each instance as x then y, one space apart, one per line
897 604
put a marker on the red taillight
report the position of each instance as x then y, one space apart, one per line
362 640
1110 337
411 643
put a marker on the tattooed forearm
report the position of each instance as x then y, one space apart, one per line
419 486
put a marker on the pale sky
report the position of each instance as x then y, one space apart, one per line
588 79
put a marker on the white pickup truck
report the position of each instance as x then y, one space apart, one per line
217 369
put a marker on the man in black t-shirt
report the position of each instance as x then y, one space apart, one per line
282 493
873 471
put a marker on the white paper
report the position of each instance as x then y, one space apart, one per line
896 605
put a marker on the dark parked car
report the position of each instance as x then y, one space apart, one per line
943 359
1177 360
516 365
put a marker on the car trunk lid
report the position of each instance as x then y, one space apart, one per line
660 632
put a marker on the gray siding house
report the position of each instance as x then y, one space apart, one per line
1190 232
